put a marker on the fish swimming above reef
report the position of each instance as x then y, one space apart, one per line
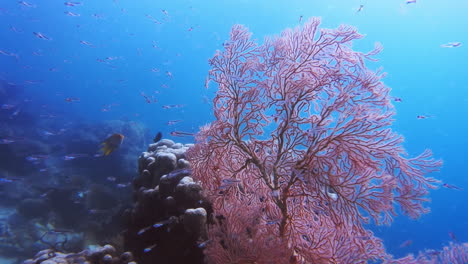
111 144
157 137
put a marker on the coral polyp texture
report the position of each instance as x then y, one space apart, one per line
93 255
301 153
167 223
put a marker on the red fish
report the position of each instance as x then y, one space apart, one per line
84 42
41 36
26 4
72 3
452 236
451 45
123 185
14 29
6 53
450 186
7 106
155 44
72 14
407 243
36 158
181 134
227 183
172 106
4 141
424 116
173 122
153 19
148 98
361 7
72 99
32 81
75 156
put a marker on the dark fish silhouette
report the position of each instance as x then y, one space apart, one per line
157 137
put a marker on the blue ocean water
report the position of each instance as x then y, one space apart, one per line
146 62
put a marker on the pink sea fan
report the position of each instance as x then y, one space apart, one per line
301 149
454 253
240 236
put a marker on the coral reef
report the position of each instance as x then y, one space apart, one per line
303 135
78 200
167 223
93 255
21 237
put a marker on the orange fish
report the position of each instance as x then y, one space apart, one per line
111 144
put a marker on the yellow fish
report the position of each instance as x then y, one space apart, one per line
111 144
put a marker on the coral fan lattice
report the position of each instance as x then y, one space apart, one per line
301 152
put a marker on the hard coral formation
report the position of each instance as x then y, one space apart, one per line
167 223
94 255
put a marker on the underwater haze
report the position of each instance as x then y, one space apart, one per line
73 74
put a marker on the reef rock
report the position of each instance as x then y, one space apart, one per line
92 255
167 223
